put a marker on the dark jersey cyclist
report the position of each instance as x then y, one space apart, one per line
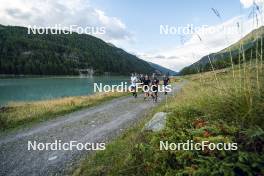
146 86
166 81
154 86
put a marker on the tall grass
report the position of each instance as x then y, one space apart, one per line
261 53
257 68
226 39
208 56
256 12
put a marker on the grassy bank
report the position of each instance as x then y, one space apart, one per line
216 107
19 114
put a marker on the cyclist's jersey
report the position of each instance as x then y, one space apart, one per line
133 81
166 81
155 83
146 82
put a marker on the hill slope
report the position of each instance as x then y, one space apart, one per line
222 59
21 53
163 70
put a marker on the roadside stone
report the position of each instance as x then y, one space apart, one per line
157 123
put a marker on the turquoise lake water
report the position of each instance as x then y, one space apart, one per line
43 88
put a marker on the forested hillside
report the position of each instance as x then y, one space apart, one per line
62 54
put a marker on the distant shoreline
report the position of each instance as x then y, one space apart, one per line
6 76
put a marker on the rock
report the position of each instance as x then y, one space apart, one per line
157 122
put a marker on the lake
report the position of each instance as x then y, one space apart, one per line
43 88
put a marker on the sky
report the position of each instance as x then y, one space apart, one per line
172 33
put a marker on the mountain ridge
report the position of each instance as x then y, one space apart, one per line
222 58
63 54
163 70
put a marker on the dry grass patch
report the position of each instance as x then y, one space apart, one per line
17 114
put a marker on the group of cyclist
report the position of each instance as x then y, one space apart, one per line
149 85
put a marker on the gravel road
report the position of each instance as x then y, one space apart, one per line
93 125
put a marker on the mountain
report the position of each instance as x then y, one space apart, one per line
248 46
62 54
162 70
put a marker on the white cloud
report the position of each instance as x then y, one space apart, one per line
213 38
248 3
63 12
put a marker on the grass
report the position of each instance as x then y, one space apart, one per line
20 114
231 110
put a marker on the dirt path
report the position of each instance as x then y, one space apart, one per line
96 124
